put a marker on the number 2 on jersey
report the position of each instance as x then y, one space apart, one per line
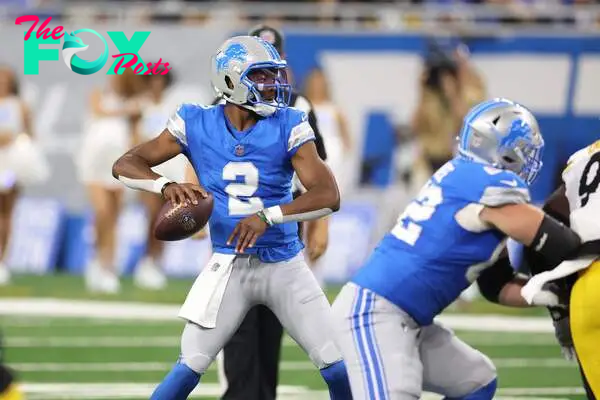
421 209
246 188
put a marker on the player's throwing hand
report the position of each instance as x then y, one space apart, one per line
248 231
179 193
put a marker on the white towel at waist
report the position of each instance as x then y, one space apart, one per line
204 298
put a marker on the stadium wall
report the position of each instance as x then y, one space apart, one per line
557 77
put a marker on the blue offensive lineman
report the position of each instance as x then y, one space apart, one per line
452 234
245 153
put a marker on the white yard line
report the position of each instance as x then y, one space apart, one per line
496 323
284 365
533 363
110 390
504 339
88 391
48 307
508 397
14 321
549 391
41 312
173 341
160 312
130 366
93 342
92 367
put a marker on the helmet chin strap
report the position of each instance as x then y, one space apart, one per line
262 109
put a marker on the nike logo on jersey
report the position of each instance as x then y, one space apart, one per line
492 170
512 183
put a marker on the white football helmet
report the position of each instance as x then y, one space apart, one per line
248 71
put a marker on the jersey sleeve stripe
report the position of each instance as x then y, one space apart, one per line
176 125
495 196
300 134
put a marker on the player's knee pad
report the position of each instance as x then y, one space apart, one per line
197 362
487 370
482 372
480 384
325 356
483 393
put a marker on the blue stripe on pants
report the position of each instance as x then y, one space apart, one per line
364 339
374 351
356 314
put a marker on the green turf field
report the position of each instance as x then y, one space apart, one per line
108 358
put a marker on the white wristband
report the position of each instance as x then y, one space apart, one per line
149 185
274 214
159 184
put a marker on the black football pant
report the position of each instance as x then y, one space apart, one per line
251 358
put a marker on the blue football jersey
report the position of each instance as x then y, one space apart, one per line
439 245
245 171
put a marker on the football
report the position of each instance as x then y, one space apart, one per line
180 221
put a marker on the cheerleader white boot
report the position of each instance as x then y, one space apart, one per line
4 274
149 276
100 280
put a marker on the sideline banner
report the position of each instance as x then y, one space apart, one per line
37 235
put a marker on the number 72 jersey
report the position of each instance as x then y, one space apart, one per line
245 171
439 245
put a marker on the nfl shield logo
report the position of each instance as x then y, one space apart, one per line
239 150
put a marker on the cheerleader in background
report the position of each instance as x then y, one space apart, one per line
21 163
108 134
332 125
338 145
157 105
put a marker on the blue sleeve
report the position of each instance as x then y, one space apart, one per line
298 130
176 125
515 253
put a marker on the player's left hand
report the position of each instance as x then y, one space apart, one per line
248 231
562 332
538 292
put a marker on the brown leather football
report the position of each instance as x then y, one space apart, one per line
180 221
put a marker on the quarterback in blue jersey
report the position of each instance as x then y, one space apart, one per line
452 234
245 152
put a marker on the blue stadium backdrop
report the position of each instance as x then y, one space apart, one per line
374 79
